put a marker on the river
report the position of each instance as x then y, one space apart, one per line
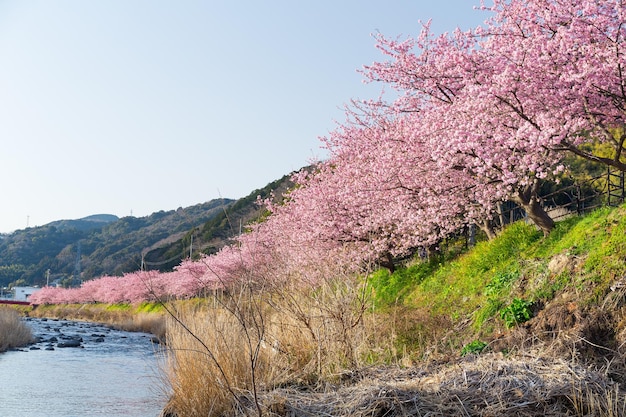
112 373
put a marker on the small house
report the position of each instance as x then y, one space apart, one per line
22 293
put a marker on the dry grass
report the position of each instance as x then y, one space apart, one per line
142 322
209 363
223 356
13 331
525 385
298 353
489 385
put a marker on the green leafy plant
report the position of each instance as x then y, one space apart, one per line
495 293
500 281
475 347
519 311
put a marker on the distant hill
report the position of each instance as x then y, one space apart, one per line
86 223
103 244
216 232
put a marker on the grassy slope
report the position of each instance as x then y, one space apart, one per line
576 265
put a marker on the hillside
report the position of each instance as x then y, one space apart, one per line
95 221
107 245
566 291
211 236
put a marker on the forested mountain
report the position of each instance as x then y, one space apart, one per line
216 232
77 250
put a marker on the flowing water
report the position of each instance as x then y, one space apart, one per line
111 373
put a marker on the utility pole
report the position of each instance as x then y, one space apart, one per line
77 269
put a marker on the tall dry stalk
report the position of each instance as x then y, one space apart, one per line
252 338
332 318
606 401
13 331
218 358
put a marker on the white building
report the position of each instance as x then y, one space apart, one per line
22 293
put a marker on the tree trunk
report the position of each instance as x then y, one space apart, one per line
387 262
433 251
487 227
500 212
527 199
471 235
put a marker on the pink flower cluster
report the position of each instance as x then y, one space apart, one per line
187 281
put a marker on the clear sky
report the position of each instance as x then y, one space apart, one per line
136 106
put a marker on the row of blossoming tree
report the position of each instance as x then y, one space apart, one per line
476 118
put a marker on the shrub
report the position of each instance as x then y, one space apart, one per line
519 311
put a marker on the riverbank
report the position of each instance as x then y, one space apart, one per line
256 359
532 380
146 317
520 325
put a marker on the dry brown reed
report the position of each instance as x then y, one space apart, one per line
293 352
143 322
208 362
14 332
248 341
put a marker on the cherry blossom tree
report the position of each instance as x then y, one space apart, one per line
380 195
450 82
565 60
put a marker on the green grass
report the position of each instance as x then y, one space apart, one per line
458 288
390 289
116 307
145 307
479 285
149 307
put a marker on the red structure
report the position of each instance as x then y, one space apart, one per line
23 303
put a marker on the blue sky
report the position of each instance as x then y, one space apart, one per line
136 106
